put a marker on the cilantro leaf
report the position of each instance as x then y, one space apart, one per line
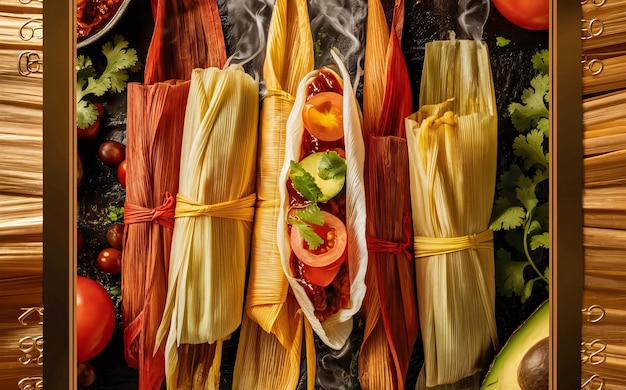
304 183
307 233
528 289
525 193
332 165
502 41
506 216
533 107
115 213
540 241
311 214
509 274
543 125
542 215
86 114
541 61
530 148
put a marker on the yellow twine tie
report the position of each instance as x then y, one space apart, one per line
282 95
241 209
432 246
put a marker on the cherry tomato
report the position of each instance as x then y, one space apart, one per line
95 318
90 132
85 374
325 259
527 14
323 116
121 173
110 260
112 152
115 235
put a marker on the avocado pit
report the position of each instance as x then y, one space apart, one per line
533 373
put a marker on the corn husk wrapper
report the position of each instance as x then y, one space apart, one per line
609 77
603 26
270 340
453 157
187 35
334 331
214 213
153 143
390 305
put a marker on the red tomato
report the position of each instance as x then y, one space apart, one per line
121 173
321 264
323 116
85 374
528 14
95 318
115 235
112 152
110 260
91 131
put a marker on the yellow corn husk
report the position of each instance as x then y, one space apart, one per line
453 157
609 77
334 330
213 225
604 137
603 25
270 341
604 108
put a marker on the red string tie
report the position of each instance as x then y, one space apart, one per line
163 214
380 245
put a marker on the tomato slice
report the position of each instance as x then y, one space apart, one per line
322 264
527 14
323 116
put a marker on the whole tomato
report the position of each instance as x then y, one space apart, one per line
527 14
90 132
95 318
121 173
112 152
110 261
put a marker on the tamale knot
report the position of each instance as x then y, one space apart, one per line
433 246
375 244
241 209
163 214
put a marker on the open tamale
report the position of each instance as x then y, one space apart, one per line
270 340
213 225
389 306
452 144
154 132
329 308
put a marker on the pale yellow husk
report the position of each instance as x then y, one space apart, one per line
271 337
334 331
210 253
452 144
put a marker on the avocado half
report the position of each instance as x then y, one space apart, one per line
523 362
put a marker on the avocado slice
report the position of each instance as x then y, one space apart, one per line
523 362
330 187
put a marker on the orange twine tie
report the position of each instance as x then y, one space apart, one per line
163 214
380 245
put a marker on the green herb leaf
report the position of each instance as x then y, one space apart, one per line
115 213
525 193
530 148
304 183
332 165
502 41
311 214
541 61
506 216
543 125
86 114
509 274
307 233
533 107
540 241
528 289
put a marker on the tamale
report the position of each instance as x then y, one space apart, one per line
335 329
389 306
153 142
270 340
213 225
452 144
187 35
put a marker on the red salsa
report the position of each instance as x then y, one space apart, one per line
92 15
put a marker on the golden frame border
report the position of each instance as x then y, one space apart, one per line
59 166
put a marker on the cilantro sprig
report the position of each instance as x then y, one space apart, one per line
521 208
119 60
